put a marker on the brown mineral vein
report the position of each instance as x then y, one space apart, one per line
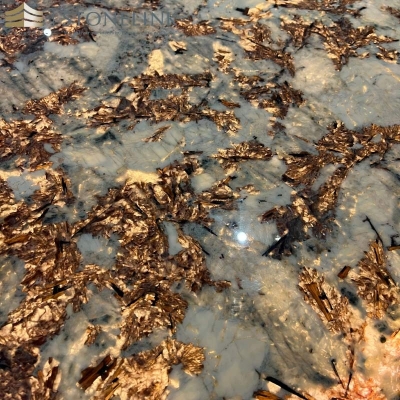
257 42
20 41
231 157
391 248
265 395
103 369
143 375
387 55
23 217
194 29
229 104
344 272
274 98
315 209
158 134
172 108
326 301
156 307
374 283
45 386
224 60
356 388
17 380
144 272
394 11
280 57
17 369
341 40
92 333
27 139
54 102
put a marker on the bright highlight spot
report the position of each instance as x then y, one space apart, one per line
241 237
47 32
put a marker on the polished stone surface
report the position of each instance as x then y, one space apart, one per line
205 207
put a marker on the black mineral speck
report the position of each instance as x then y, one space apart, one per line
113 79
108 136
381 326
353 299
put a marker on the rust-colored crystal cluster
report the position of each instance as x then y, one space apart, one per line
141 279
312 211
